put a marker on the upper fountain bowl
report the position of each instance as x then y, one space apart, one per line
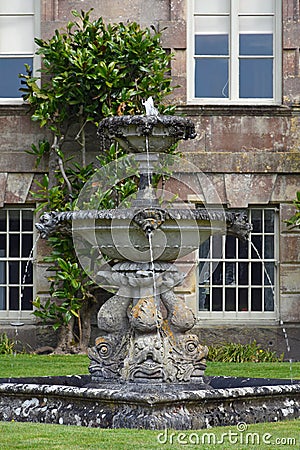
161 131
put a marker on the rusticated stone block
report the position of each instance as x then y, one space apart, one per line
290 308
17 187
174 34
242 189
178 96
242 162
291 30
179 64
290 248
42 283
290 10
17 162
285 188
286 211
290 278
290 63
196 187
178 8
146 12
291 89
3 181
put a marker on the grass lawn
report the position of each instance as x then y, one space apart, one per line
280 435
41 365
13 435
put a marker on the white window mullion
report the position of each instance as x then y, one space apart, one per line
234 52
277 49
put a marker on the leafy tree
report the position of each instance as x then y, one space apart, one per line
91 70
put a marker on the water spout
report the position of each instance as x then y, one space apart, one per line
149 107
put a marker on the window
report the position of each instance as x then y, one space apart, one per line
18 27
16 256
238 278
234 51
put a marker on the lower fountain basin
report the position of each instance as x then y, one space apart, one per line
122 240
123 234
218 401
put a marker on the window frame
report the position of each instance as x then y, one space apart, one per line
234 61
8 314
241 317
35 58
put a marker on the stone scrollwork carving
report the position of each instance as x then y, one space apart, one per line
107 356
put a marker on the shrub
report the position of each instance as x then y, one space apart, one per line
235 352
7 345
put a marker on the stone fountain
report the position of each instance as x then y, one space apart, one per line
147 366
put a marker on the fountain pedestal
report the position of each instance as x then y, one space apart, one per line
144 329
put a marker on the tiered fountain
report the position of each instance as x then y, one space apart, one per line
147 367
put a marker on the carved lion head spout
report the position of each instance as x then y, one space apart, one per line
240 227
149 219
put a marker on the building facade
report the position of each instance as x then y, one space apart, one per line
237 65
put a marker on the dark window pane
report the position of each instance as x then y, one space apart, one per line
269 221
204 301
14 298
2 272
13 272
9 70
256 44
212 44
230 247
269 274
217 247
204 249
14 220
27 220
27 243
27 278
256 300
2 298
256 220
2 220
243 299
211 78
230 304
217 277
256 274
230 273
2 245
269 247
243 273
256 78
257 242
14 245
217 299
27 299
269 300
243 250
